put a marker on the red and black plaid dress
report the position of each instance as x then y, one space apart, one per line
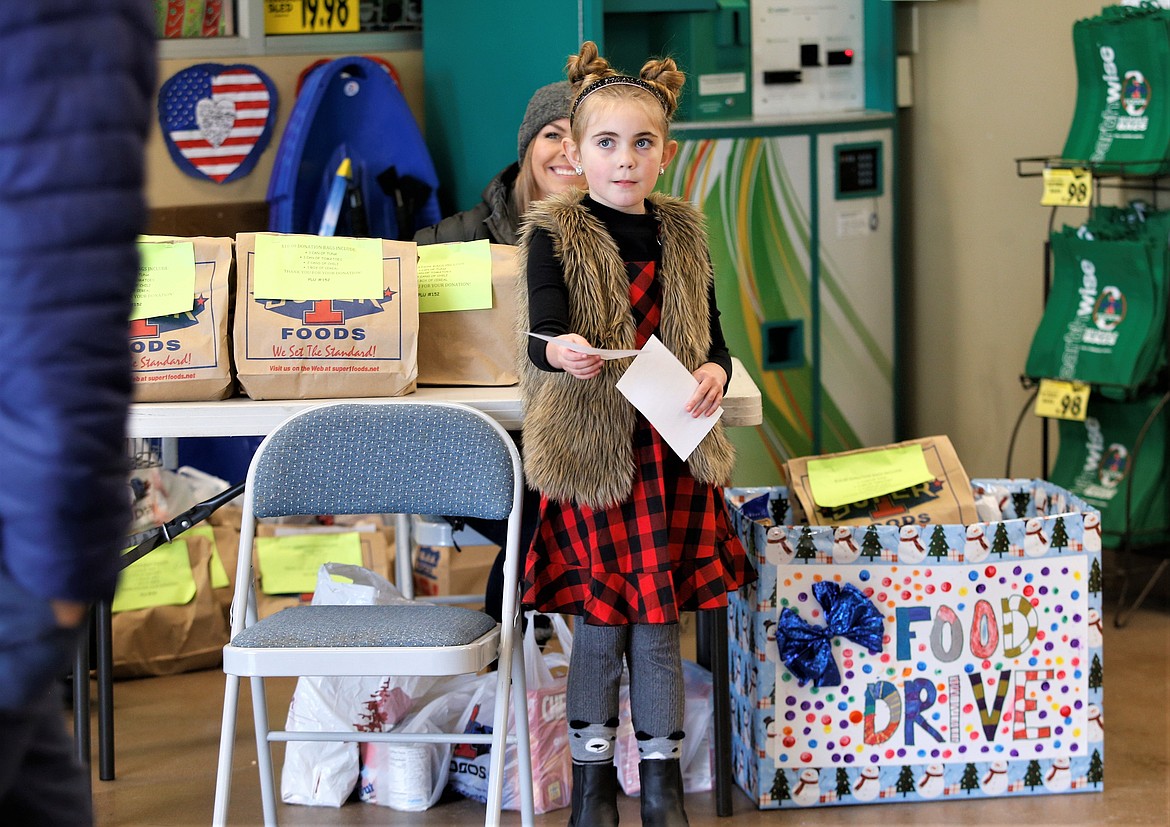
669 548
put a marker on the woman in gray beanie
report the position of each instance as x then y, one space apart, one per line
542 170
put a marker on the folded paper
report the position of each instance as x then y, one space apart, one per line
604 353
659 386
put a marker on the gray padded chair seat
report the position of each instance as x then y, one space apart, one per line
332 626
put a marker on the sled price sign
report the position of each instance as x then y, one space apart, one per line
311 16
1067 188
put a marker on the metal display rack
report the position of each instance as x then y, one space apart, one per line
1131 543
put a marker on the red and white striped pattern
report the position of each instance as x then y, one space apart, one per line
249 99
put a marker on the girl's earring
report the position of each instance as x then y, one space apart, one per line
662 170
577 169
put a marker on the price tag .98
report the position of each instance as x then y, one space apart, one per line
311 16
1067 188
1058 399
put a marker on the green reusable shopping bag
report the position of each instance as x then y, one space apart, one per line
1101 314
1097 457
1121 122
1090 91
1138 221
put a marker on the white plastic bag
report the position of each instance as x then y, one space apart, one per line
552 766
411 777
323 773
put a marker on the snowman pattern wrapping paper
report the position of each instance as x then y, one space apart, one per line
988 678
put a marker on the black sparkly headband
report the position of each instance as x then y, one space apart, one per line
617 80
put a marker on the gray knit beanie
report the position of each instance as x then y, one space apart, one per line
548 103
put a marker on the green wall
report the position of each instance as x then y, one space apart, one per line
482 60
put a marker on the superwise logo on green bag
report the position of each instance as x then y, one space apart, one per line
1099 314
1095 326
1126 100
1104 468
1097 461
1135 97
1104 320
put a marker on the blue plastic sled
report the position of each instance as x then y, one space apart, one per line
351 107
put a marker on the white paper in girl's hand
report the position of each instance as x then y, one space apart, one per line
659 385
602 352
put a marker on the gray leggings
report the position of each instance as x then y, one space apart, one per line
651 650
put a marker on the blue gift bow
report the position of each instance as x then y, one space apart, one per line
807 650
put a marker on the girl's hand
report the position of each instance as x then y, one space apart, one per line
580 365
708 396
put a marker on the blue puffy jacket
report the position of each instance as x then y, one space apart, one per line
77 78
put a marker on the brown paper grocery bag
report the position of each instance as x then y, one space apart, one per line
946 499
227 545
474 347
166 640
186 357
328 348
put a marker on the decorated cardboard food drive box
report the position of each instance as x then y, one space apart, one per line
901 662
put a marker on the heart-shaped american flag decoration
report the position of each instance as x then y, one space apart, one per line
216 120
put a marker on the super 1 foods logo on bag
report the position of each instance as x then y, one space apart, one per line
1126 100
149 337
170 298
1099 314
321 329
321 286
893 509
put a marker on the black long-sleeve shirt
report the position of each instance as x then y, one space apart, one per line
548 298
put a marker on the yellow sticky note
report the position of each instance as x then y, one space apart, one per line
161 578
218 574
455 276
311 268
166 279
289 564
1058 399
854 477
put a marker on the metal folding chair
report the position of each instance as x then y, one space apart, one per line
393 456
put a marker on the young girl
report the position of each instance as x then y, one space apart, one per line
629 535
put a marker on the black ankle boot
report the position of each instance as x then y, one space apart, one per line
662 793
594 802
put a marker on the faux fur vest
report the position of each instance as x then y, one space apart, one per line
578 435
